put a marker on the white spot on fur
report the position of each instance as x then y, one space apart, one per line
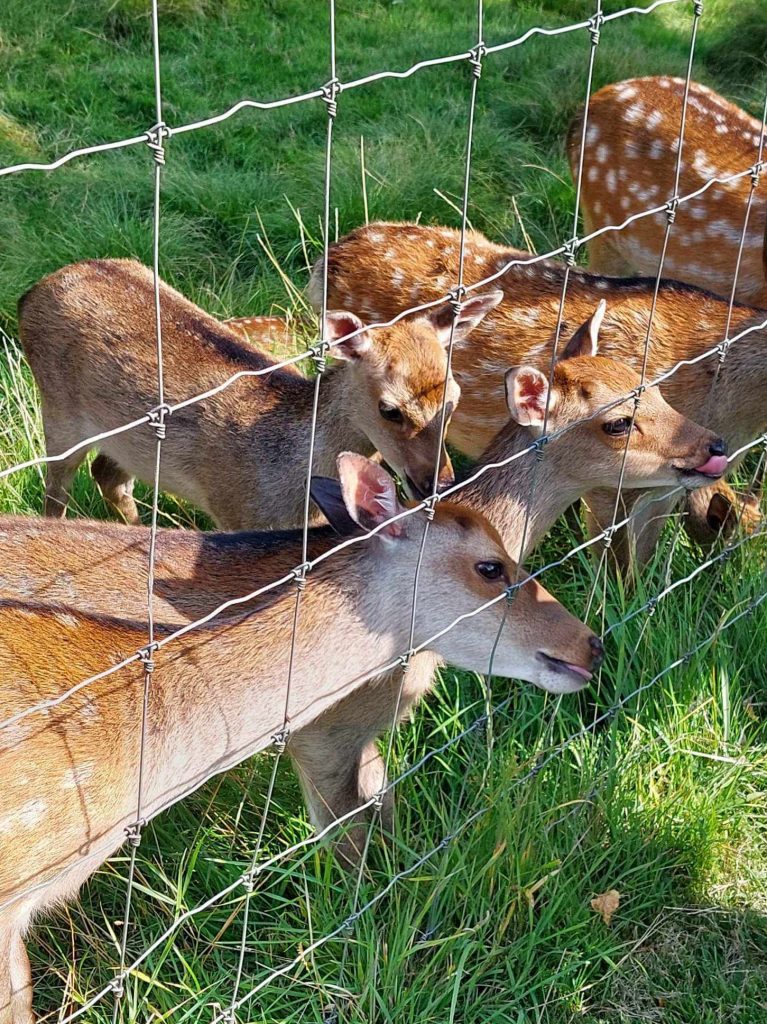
625 202
77 776
602 153
592 134
593 173
654 119
27 816
377 237
635 113
611 180
430 242
703 165
657 149
389 254
397 278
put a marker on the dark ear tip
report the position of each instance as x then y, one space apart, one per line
326 493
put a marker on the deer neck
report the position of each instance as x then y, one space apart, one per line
523 498
225 692
735 395
336 430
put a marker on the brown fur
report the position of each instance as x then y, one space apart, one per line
89 335
687 322
218 693
633 129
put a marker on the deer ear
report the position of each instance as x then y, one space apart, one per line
585 341
338 325
527 392
473 311
369 494
327 495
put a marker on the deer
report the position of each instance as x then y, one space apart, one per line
241 455
336 755
70 771
629 165
382 269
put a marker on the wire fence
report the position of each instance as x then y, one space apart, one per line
160 418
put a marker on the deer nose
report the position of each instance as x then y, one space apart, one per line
718 447
446 476
597 652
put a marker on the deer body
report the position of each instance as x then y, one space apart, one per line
632 142
242 454
219 694
335 753
687 322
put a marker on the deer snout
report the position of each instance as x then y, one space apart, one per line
422 483
713 466
561 676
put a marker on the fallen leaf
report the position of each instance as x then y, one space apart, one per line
606 904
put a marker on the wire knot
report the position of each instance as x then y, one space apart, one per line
117 984
608 533
248 881
330 93
756 171
280 741
455 298
157 418
475 59
318 353
595 26
723 348
430 506
637 393
652 604
404 659
671 208
697 8
378 800
146 659
538 446
299 574
571 249
133 832
154 138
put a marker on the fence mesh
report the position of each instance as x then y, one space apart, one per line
247 983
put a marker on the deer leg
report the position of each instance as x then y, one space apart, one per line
336 757
15 979
634 544
60 435
117 487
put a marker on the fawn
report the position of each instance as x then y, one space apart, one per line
71 771
336 755
632 144
242 455
420 263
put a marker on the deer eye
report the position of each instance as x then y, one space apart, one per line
490 570
390 412
617 428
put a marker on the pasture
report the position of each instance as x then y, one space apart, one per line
666 802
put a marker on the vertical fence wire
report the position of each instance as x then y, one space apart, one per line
134 831
280 740
670 217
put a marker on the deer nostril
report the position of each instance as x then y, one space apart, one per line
718 447
597 651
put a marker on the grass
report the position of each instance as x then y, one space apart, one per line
667 805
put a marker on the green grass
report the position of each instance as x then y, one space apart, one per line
666 805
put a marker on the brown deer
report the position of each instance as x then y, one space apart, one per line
242 455
70 771
630 159
336 755
382 269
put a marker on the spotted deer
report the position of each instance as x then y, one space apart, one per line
630 158
382 269
338 760
241 455
70 772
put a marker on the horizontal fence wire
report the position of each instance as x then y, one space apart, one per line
242 887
